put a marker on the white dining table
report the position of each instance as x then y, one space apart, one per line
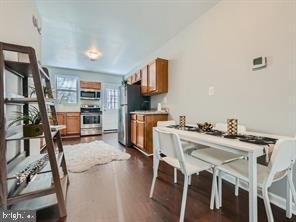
252 151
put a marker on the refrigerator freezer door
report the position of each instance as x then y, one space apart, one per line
122 125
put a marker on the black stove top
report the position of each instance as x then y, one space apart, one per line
241 137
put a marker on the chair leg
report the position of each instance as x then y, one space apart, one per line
236 186
189 180
184 197
155 171
292 187
267 204
288 198
175 175
214 189
220 189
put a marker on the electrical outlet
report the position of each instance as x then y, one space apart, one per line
211 90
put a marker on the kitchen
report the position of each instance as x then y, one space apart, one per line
90 112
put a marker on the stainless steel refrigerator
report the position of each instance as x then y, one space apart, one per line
130 100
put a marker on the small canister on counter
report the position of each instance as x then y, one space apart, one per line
232 126
182 122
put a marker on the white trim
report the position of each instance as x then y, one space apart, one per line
146 154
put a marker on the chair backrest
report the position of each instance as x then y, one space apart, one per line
170 145
156 149
223 127
283 158
166 123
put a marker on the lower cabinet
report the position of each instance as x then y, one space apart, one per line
133 131
72 122
142 130
140 134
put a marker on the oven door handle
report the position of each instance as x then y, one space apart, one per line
91 114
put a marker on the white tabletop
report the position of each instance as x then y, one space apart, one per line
235 144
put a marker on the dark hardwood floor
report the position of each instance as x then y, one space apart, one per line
119 191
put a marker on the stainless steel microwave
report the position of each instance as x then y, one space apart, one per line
90 94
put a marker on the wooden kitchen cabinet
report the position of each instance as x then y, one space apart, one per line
72 122
137 77
130 80
90 85
61 117
142 130
158 77
134 129
144 80
153 77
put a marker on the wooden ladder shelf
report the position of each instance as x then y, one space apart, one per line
50 185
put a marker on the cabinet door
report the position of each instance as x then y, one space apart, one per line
62 121
73 123
141 134
90 85
130 80
138 76
134 132
152 86
144 82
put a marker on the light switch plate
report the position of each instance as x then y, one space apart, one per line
211 90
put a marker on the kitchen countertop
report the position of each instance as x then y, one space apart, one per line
151 112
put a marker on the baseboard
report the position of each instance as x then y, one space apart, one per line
146 154
274 199
110 131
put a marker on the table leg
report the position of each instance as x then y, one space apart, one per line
252 187
288 200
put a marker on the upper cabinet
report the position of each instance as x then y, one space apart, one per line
90 85
153 78
144 81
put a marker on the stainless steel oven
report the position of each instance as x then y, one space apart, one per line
90 94
91 121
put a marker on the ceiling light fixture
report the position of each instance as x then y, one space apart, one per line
93 54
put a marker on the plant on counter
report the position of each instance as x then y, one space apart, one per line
32 122
124 82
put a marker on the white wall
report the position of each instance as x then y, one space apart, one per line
217 50
83 75
16 23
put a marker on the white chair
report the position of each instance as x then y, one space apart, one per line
170 146
218 157
185 145
280 167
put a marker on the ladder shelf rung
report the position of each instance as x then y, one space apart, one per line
19 136
43 201
42 183
30 195
21 68
23 101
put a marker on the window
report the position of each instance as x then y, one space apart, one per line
67 89
112 98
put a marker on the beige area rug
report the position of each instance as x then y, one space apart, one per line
83 156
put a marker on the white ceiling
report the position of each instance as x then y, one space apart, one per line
125 31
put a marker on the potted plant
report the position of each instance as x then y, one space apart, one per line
32 122
124 82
